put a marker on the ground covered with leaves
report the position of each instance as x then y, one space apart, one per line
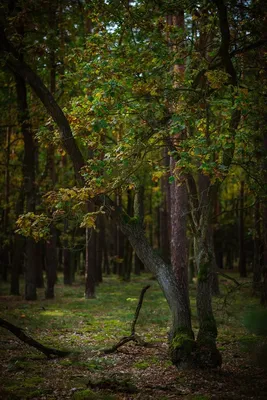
86 327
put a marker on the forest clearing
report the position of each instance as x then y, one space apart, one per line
133 372
133 144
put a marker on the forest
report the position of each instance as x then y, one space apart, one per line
133 176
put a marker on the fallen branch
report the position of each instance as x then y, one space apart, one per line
30 341
133 336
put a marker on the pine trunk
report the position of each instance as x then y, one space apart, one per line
29 184
181 337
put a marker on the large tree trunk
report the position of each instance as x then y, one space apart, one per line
207 354
182 337
164 213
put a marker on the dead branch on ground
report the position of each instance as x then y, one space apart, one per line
18 332
133 336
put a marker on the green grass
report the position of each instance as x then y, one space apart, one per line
86 326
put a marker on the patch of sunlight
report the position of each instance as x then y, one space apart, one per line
52 313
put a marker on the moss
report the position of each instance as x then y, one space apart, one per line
86 394
131 220
208 330
32 381
17 391
141 365
182 340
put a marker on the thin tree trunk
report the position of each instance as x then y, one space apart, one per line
18 250
139 211
242 253
257 250
264 269
90 261
39 256
66 258
100 239
128 253
29 184
4 253
51 264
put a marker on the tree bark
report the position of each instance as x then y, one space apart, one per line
264 269
90 260
207 354
242 252
257 249
182 336
164 213
29 183
51 264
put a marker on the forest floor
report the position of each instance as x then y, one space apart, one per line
87 326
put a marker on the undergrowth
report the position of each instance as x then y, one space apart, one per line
87 326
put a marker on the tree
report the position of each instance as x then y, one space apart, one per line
138 99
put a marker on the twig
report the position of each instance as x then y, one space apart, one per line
133 336
30 341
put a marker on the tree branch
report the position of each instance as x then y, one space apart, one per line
18 332
132 337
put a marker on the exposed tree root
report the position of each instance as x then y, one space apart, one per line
31 342
133 336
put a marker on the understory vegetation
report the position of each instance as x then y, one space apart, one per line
86 328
